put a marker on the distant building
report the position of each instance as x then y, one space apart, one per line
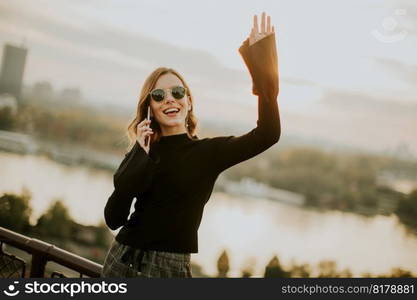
42 90
71 95
12 69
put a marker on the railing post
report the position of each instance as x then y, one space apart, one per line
38 266
43 252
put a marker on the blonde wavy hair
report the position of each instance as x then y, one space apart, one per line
141 111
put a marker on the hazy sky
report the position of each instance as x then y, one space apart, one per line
348 69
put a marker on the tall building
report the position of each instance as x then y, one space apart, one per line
12 68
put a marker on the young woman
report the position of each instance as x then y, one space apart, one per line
171 172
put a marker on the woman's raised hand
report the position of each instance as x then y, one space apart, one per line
256 33
142 132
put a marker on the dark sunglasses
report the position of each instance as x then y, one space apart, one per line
178 92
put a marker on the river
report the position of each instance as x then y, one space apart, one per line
251 230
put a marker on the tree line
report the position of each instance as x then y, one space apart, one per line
56 223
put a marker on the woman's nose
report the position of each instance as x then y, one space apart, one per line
169 98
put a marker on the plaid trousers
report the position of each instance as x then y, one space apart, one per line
124 261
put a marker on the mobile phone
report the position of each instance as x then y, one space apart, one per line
148 117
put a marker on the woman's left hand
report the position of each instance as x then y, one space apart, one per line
257 34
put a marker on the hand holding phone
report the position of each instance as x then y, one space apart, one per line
143 132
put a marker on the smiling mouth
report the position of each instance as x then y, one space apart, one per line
171 112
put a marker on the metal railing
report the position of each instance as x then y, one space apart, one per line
41 253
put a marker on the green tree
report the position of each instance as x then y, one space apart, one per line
275 270
7 119
407 209
223 264
300 271
56 221
327 268
15 211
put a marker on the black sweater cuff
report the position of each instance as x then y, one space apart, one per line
135 172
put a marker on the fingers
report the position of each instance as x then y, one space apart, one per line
263 23
143 127
268 24
255 24
145 122
145 130
144 137
143 133
265 27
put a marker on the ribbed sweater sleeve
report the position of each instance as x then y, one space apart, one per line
132 177
261 61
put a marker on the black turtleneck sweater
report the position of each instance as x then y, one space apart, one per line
174 181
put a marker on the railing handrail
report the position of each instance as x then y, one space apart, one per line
48 252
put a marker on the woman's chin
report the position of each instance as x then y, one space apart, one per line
173 123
